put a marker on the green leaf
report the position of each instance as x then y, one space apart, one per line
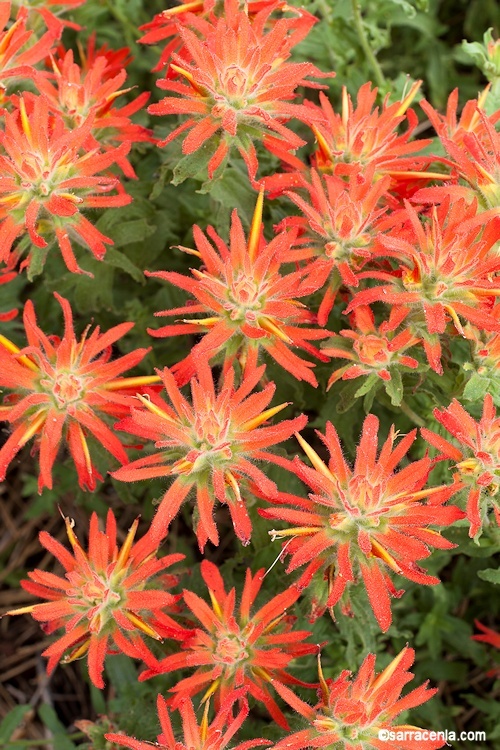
119 260
130 231
60 740
11 721
490 574
476 388
394 386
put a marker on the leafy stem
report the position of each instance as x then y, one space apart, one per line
363 40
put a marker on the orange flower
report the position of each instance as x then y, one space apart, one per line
240 652
46 181
365 522
359 713
17 54
250 305
209 445
77 94
478 460
60 389
238 87
203 736
102 594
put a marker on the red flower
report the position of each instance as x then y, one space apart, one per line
472 143
203 736
362 136
363 522
60 389
241 652
249 303
491 637
238 86
478 459
78 94
46 181
209 445
371 351
359 713
339 227
17 55
102 594
448 270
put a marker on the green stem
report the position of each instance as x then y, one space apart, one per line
411 414
363 40
41 743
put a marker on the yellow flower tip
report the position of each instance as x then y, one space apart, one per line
196 6
410 96
127 546
189 77
255 229
146 401
183 466
268 325
33 428
13 349
322 144
387 673
261 418
469 466
80 651
262 673
139 382
231 481
207 322
322 681
215 604
383 554
143 626
451 312
21 611
481 101
211 690
204 723
25 121
313 457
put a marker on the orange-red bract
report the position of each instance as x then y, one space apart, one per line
237 652
102 597
62 390
209 445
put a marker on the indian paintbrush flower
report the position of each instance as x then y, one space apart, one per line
365 523
102 598
209 445
235 652
62 390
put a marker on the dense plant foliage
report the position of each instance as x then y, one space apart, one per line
309 193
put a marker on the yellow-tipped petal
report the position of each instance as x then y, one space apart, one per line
127 546
25 121
423 175
410 96
189 77
33 428
204 723
322 681
262 673
230 479
22 610
195 6
211 690
206 322
258 420
451 312
153 408
141 625
387 673
384 555
85 449
13 349
268 325
75 544
323 145
183 466
80 651
313 457
299 531
215 604
118 385
254 236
